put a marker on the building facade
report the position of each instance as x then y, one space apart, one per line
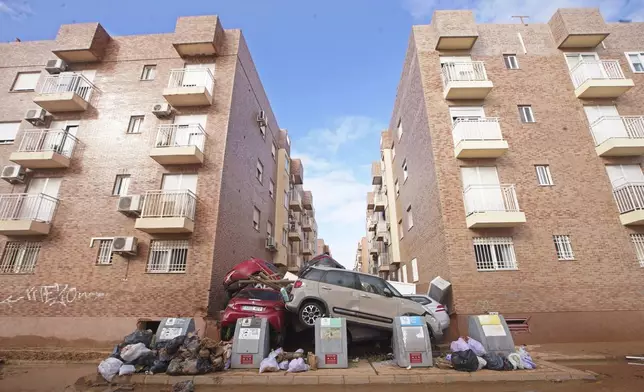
513 165
148 167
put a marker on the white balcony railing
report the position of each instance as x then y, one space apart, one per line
490 198
64 83
467 71
379 197
294 227
476 129
609 127
169 204
308 246
595 69
176 135
26 206
191 77
629 197
295 196
43 140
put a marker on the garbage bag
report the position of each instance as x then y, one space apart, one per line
126 369
494 361
459 345
109 368
190 367
146 360
515 360
507 365
217 363
192 343
465 361
475 346
184 386
526 359
139 336
116 352
204 365
299 353
175 367
482 363
269 365
297 365
283 365
163 355
275 353
312 361
173 345
159 366
131 352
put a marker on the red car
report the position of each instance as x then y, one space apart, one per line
244 270
255 302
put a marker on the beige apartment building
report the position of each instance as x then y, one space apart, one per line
138 170
512 168
362 262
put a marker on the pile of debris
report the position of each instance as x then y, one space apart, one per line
292 362
469 355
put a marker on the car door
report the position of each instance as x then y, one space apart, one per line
376 308
338 290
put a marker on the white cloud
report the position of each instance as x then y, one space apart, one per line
344 130
16 10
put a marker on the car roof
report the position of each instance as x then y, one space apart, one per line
324 268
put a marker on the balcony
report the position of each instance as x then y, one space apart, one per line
26 214
189 87
494 205
383 262
381 230
295 200
179 144
45 149
618 136
478 138
308 224
376 173
380 201
294 262
66 92
599 79
294 231
307 248
630 203
465 80
167 212
371 224
373 248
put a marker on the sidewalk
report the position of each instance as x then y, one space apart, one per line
585 351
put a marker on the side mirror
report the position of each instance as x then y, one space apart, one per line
388 292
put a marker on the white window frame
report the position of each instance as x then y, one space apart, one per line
563 247
400 229
10 131
104 254
638 243
271 189
526 113
172 257
273 150
15 81
284 236
511 61
393 153
488 259
134 126
269 228
399 129
286 199
640 55
23 254
397 188
260 172
121 185
404 273
414 270
405 170
410 218
149 72
544 178
257 217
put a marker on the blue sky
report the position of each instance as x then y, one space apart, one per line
330 70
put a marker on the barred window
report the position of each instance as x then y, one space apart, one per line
168 256
104 252
19 257
494 253
638 241
563 247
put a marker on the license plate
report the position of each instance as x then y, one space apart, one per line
253 308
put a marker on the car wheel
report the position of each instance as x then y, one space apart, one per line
309 312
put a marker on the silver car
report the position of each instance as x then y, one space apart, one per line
362 299
434 307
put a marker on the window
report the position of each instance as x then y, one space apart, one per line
510 61
636 60
397 188
400 229
563 247
256 216
273 151
372 284
410 219
271 189
399 129
149 72
284 236
269 229
494 253
135 124
526 114
404 273
121 185
19 257
543 175
393 153
260 172
340 278
638 241
25 81
104 256
286 165
8 132
168 256
414 270
405 172
313 274
421 300
286 199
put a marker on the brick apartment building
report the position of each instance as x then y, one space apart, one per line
166 139
512 168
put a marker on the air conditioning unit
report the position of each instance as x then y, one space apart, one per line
162 110
36 116
270 243
261 118
13 174
130 205
125 245
56 66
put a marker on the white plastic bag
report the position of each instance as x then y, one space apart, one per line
275 353
131 352
476 346
126 369
459 345
297 365
515 360
269 365
283 365
482 363
526 359
109 368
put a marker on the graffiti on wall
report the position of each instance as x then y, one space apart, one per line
53 294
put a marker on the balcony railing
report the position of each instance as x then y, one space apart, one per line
191 77
629 197
25 206
595 69
608 127
44 140
169 204
175 135
472 71
308 246
64 83
489 198
476 129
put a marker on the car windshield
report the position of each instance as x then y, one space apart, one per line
272 267
421 300
393 289
264 295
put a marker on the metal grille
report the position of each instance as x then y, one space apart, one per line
543 175
638 241
563 247
494 253
19 257
104 252
168 256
